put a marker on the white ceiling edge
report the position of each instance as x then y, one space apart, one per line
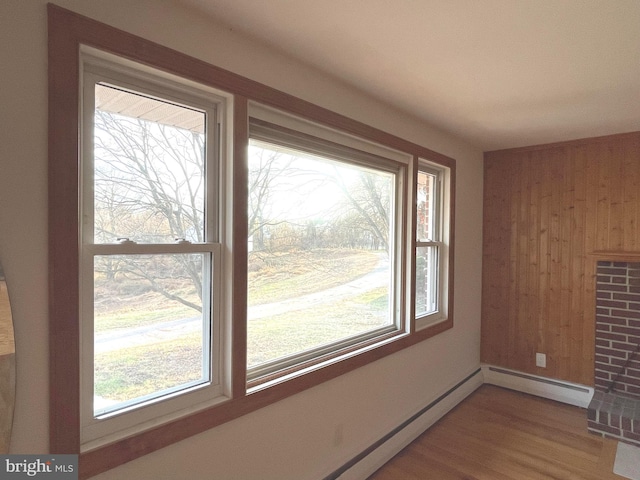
495 73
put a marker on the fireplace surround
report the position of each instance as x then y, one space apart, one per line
614 410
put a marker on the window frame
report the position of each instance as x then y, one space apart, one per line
69 31
289 132
441 242
97 68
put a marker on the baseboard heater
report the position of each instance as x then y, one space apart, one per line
540 379
565 392
374 446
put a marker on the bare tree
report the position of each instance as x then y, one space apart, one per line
264 168
357 215
278 184
149 187
159 175
369 200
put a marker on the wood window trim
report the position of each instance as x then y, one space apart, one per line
67 32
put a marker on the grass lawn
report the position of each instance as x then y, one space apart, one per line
132 372
274 337
293 274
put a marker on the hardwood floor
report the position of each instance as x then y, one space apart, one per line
498 434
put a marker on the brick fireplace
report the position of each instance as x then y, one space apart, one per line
615 408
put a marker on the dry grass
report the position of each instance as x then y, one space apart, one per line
130 372
292 274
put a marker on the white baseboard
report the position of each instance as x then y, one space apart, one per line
559 390
402 436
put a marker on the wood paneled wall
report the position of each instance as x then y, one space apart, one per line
549 211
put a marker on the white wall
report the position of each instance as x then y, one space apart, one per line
295 437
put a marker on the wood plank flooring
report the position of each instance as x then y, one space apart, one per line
499 434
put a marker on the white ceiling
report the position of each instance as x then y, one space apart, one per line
499 73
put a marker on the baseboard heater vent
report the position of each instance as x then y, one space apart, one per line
570 386
559 390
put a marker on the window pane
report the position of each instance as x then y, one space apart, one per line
149 169
151 334
426 228
319 252
426 280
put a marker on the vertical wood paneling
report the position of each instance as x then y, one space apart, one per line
616 192
631 175
604 200
543 293
496 275
566 263
578 252
587 347
547 210
554 313
533 250
517 342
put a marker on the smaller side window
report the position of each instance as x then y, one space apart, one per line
431 259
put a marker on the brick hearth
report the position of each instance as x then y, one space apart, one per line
615 409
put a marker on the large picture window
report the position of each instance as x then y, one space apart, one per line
323 235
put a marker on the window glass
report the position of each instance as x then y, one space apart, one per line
320 262
151 328
426 280
426 207
149 169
